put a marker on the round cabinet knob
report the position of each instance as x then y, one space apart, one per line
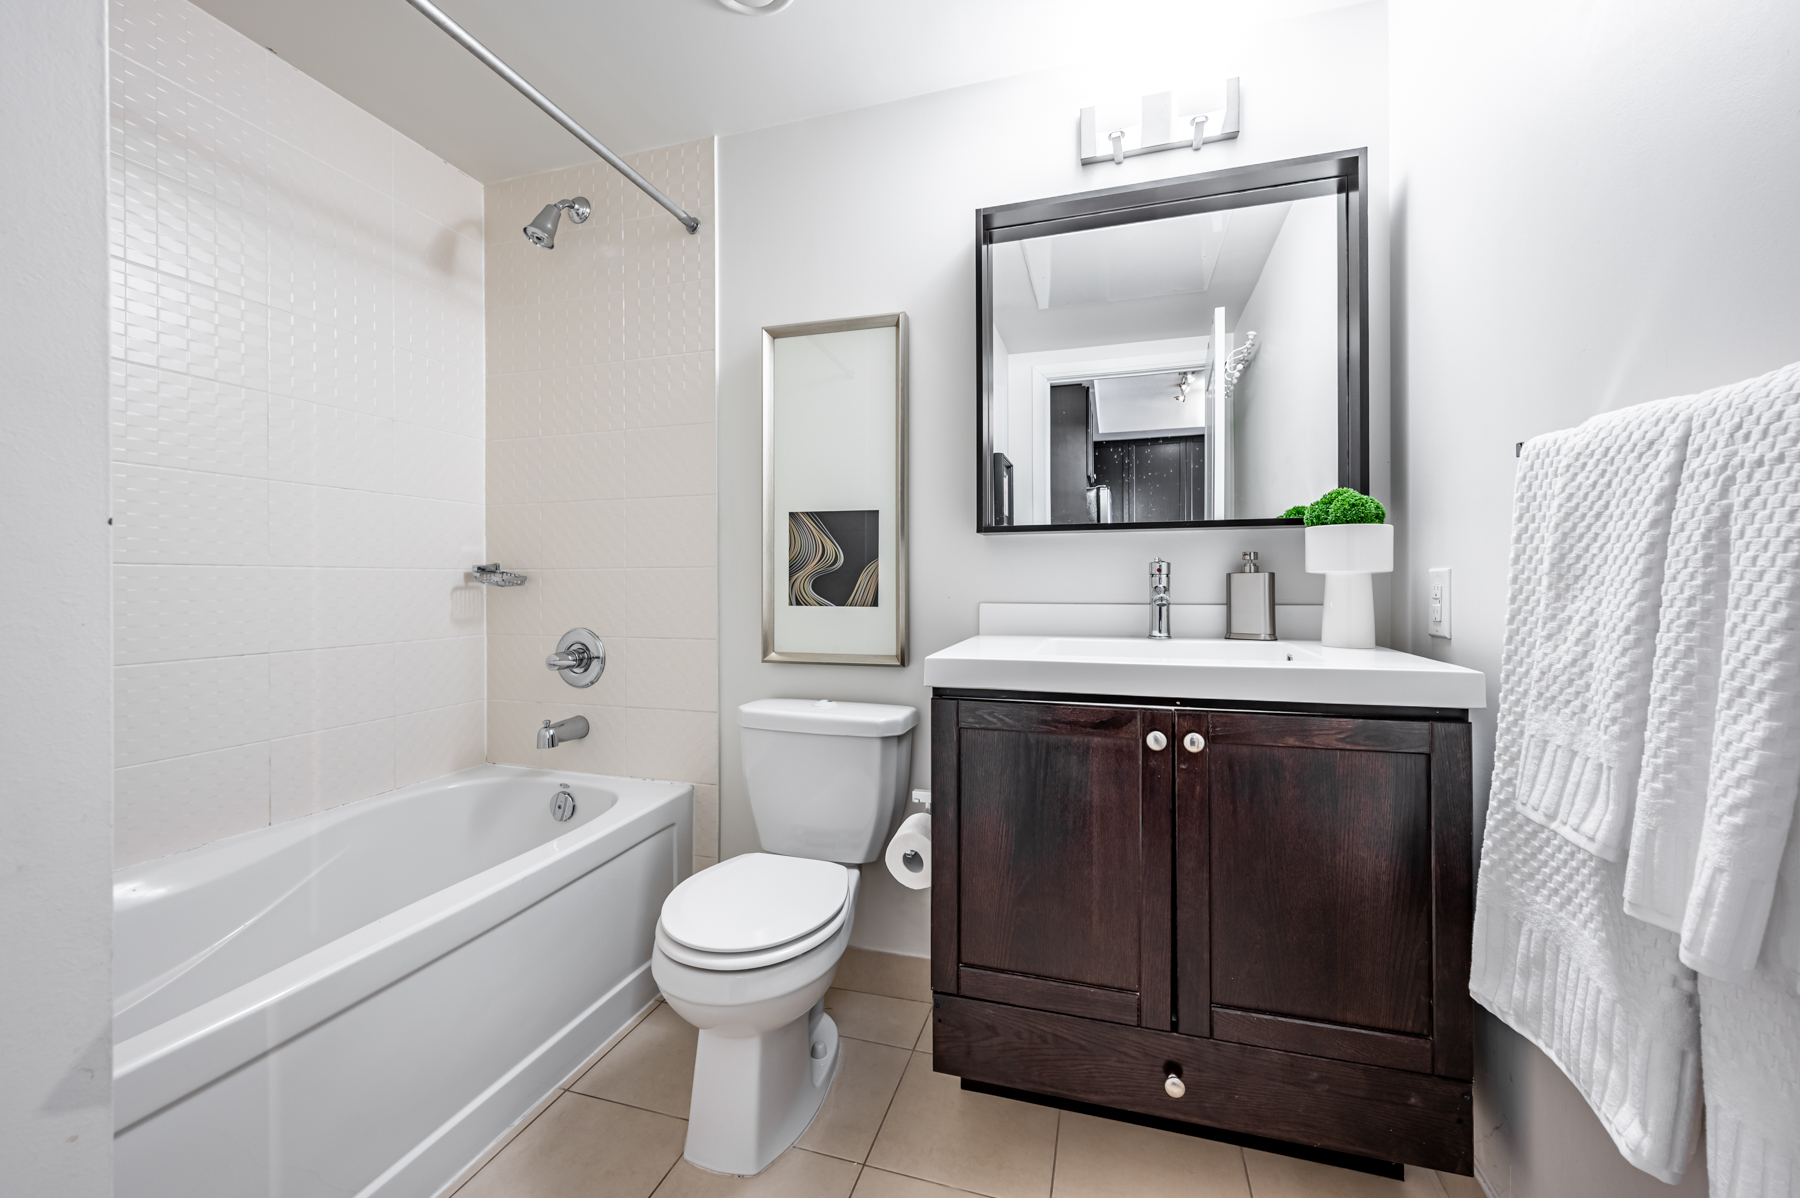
1157 742
1193 742
1173 1086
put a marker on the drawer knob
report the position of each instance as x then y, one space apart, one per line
1173 1086
1193 742
1157 742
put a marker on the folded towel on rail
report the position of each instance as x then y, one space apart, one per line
1721 770
1555 955
1590 621
1750 1055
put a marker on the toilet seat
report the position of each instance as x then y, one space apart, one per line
753 910
676 951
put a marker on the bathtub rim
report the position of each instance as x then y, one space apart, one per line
180 1055
215 858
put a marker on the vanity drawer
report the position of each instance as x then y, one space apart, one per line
1387 1114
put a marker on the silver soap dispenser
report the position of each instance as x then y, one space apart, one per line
1250 603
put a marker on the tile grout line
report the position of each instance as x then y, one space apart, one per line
468 1181
560 1090
1055 1151
885 1111
665 1177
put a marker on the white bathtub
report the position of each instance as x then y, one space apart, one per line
362 1001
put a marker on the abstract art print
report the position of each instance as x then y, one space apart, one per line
834 559
834 492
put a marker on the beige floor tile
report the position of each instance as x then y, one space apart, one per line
1104 1158
583 1148
868 1075
1457 1186
924 1044
937 1132
528 1117
876 1017
885 973
795 1174
653 1067
876 1183
1273 1176
506 1138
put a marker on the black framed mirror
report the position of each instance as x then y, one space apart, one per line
1181 353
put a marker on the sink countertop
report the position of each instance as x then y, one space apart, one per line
1253 671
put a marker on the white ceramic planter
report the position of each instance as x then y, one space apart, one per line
1347 555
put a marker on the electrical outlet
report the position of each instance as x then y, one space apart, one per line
1437 602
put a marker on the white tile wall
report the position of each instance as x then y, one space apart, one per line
602 474
298 438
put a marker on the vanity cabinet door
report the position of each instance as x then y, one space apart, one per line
1059 872
1305 877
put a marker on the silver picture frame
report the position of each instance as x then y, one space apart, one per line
779 645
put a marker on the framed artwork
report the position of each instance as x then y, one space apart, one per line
834 491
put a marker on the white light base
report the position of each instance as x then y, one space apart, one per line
1349 611
755 1095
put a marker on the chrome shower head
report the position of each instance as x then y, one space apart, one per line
542 231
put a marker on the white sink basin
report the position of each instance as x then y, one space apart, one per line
1115 648
1245 671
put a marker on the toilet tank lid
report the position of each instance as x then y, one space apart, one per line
827 717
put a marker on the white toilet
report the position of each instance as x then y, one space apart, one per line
746 950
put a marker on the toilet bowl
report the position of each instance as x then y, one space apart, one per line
745 950
768 1052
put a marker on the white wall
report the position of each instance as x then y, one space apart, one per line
1286 401
601 477
55 638
1603 195
296 441
872 211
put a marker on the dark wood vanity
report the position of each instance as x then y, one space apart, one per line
1271 906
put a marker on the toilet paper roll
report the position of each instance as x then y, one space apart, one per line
909 852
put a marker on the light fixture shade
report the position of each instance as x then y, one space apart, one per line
767 9
542 231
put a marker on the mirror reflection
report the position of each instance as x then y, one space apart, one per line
1168 370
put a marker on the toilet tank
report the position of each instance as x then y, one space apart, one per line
826 779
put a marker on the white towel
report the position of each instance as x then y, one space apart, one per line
1592 624
1750 1049
1722 767
1555 955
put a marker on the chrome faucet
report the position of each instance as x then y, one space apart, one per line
1159 599
551 735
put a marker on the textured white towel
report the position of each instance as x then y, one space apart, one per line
1555 955
1750 1050
1591 625
1722 766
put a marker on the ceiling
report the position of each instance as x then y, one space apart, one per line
646 73
1140 282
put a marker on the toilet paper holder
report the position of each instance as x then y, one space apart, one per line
908 855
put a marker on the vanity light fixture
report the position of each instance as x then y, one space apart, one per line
1236 362
1155 130
766 9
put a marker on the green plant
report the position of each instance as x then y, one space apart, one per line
1297 512
1344 506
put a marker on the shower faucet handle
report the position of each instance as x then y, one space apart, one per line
580 658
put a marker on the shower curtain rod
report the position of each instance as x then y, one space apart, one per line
437 17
